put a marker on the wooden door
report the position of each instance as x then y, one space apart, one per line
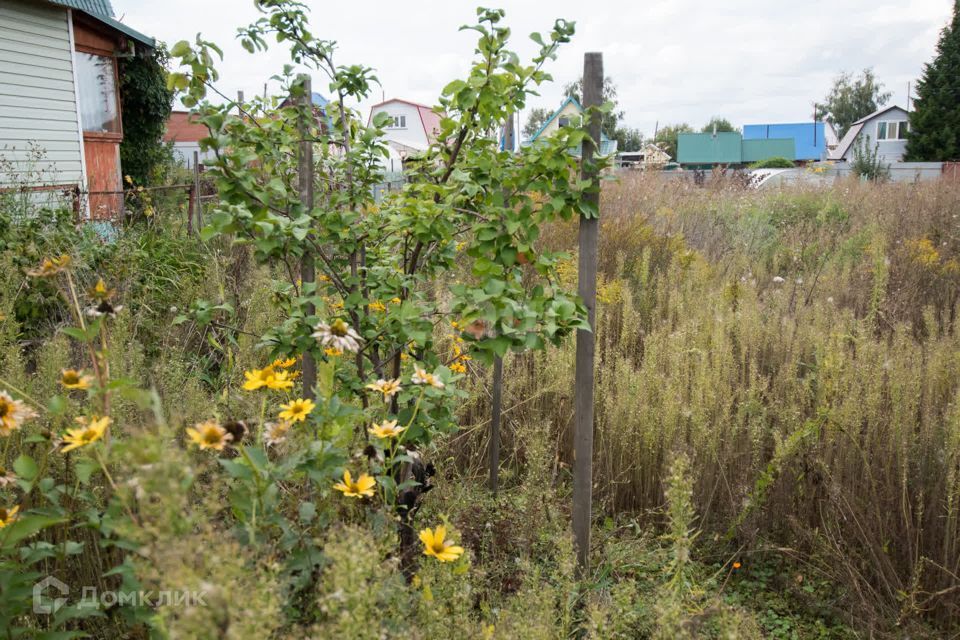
104 181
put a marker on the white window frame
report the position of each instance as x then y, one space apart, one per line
398 122
886 124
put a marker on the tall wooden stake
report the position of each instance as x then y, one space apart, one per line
496 409
587 288
305 186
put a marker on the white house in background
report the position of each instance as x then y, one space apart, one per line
413 127
884 130
568 114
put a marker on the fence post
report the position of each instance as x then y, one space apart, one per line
191 195
198 202
587 289
305 186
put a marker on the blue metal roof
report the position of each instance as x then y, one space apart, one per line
808 137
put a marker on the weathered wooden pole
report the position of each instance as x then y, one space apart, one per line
198 209
587 288
496 407
305 186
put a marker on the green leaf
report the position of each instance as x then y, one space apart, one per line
25 467
180 49
25 526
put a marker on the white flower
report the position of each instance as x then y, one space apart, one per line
778 280
420 376
338 334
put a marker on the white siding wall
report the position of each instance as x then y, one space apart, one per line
37 99
412 135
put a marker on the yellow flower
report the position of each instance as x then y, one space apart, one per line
458 367
100 292
396 300
420 376
333 352
280 381
7 516
283 364
209 435
364 485
435 545
73 379
12 413
89 431
377 306
388 388
386 429
50 267
257 378
296 410
404 356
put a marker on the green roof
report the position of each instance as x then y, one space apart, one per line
103 11
709 148
100 8
764 149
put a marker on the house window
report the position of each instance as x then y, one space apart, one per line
97 88
564 121
893 130
399 122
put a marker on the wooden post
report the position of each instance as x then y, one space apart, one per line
305 186
191 196
495 412
587 289
198 202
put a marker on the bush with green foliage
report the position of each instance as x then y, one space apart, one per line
773 163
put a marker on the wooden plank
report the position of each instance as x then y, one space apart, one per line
496 411
58 101
587 289
14 79
32 71
18 116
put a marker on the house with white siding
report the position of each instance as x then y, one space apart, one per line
884 130
60 118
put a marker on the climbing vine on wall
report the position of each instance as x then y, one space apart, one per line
146 104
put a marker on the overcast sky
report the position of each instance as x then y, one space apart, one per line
751 61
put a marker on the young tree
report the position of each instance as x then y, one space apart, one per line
852 98
935 121
722 126
629 139
667 137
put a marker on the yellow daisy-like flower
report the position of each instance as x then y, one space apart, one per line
333 352
377 306
458 367
7 516
283 364
435 545
420 376
388 388
90 430
12 413
362 487
50 267
209 435
396 300
100 292
74 379
280 381
257 378
386 429
297 410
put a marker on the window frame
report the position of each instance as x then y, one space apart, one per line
901 125
96 51
398 122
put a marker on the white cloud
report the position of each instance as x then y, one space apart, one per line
672 60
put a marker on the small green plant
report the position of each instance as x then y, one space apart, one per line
778 162
867 164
